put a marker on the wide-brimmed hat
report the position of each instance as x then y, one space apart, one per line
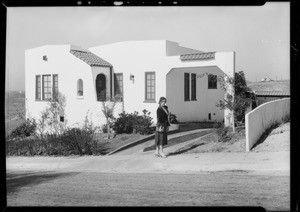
162 99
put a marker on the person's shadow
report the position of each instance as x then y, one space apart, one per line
184 149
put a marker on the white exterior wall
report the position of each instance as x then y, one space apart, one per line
206 99
136 58
172 49
139 57
132 57
261 118
69 70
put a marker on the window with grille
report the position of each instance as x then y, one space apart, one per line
55 85
38 87
46 87
150 86
119 86
212 81
186 87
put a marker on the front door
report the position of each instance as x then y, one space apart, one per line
101 87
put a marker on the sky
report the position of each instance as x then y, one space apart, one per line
259 35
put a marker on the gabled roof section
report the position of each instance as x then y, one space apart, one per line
272 93
198 56
90 58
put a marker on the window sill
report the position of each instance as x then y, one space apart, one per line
149 101
80 97
194 100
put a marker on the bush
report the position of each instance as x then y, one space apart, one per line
78 141
223 133
26 129
133 123
73 141
173 119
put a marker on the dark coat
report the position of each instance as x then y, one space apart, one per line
162 117
162 120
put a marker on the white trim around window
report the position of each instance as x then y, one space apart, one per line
45 86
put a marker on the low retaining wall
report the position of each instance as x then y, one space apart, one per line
261 118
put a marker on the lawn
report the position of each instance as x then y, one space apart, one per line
108 145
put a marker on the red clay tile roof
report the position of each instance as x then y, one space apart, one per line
272 93
90 58
198 56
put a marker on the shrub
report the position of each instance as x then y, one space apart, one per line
223 133
173 119
133 123
73 141
78 141
26 129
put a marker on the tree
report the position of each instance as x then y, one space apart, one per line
241 99
56 108
226 104
108 107
236 98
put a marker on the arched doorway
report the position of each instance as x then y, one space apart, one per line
101 87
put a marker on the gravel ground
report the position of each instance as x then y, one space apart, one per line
278 140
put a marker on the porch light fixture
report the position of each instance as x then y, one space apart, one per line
131 77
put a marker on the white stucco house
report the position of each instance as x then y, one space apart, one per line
140 71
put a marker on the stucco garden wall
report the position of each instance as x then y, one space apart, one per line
261 118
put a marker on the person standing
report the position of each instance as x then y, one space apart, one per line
162 127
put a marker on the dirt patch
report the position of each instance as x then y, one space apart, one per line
278 140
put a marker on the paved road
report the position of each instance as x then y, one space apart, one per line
151 189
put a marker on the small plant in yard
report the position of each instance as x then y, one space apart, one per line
223 133
108 107
73 141
173 119
133 123
26 129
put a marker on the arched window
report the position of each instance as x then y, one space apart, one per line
79 87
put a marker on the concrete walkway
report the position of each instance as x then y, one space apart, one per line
138 149
250 163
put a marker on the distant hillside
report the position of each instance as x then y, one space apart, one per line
270 86
14 105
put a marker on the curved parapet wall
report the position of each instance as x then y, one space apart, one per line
261 118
